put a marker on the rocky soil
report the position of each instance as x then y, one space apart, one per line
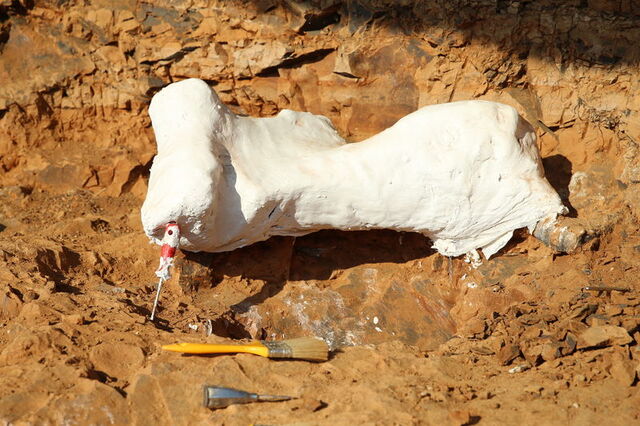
529 336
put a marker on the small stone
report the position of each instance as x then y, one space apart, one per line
598 319
551 351
603 335
126 21
257 58
623 370
563 384
208 27
613 310
533 354
474 328
508 353
560 333
74 319
118 360
620 298
482 350
345 64
534 389
532 333
123 174
10 305
113 56
312 404
519 368
569 345
485 394
579 378
631 324
575 326
14 191
103 18
582 311
460 417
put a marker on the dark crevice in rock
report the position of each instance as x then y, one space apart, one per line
296 62
318 21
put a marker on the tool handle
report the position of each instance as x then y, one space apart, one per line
255 348
273 398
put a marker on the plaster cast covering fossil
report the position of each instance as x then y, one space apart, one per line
465 174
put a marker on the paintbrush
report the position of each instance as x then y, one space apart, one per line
309 348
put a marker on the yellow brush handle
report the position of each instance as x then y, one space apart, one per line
255 348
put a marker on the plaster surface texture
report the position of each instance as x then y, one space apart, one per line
465 174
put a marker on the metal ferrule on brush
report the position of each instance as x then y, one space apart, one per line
278 349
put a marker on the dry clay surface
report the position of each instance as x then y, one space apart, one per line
530 336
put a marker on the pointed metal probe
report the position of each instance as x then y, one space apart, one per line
170 243
155 302
219 397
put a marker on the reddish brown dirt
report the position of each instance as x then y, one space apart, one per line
76 344
530 336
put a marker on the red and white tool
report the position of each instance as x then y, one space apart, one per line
170 243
